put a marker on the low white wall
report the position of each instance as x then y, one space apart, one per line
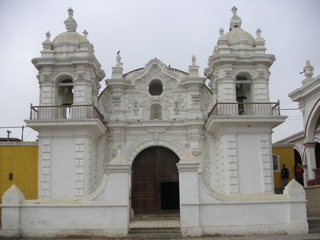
105 213
82 220
250 214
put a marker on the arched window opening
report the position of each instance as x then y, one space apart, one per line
66 92
155 87
156 112
242 93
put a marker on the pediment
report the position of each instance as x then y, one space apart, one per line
155 69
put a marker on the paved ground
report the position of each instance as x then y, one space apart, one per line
315 236
176 223
282 237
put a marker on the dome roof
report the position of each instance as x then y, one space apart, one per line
72 37
236 35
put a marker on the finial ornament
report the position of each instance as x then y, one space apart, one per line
71 24
258 32
48 35
234 10
235 21
85 33
221 31
308 70
193 59
70 12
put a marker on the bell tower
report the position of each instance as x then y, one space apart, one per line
243 117
67 119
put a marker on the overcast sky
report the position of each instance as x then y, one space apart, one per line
171 30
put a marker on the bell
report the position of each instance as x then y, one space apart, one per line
68 98
240 94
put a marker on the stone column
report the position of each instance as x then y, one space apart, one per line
189 194
311 159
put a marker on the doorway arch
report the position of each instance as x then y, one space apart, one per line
155 182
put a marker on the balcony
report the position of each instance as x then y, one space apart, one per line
64 112
254 109
244 117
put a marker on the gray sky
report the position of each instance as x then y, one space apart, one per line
171 30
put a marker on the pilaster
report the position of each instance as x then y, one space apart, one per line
188 168
193 83
310 158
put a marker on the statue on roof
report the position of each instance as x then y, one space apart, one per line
308 70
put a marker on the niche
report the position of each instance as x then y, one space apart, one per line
155 112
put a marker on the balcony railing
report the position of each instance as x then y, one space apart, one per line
256 109
64 112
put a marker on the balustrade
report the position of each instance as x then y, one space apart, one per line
64 112
256 109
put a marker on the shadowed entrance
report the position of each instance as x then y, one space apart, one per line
155 181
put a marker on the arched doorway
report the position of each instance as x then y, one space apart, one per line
317 153
155 182
297 160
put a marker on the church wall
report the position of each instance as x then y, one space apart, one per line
63 164
250 173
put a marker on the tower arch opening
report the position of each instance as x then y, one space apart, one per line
243 92
65 92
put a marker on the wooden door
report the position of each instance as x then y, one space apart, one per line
155 181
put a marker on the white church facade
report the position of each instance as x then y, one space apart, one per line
157 140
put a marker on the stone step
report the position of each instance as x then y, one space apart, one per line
154 233
314 225
156 217
314 221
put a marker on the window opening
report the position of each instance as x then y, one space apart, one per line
155 87
276 163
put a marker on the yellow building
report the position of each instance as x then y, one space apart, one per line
21 160
283 153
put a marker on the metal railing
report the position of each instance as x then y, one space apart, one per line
64 112
245 108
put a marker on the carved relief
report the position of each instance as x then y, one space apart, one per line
107 151
141 145
206 163
144 102
134 104
179 103
106 101
205 99
66 72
